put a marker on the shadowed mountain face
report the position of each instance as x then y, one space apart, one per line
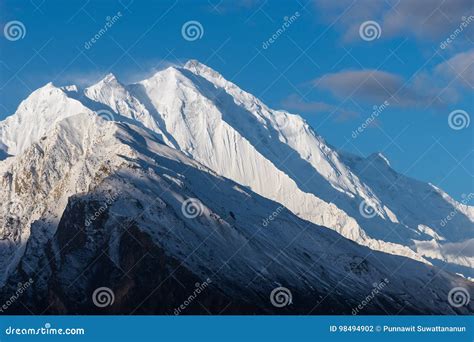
277 155
111 206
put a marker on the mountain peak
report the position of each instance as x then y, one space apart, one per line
35 116
48 88
47 93
106 84
109 79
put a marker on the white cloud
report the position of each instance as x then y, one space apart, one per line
423 19
372 86
459 69
296 103
446 83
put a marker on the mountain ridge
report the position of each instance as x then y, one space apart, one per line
150 251
195 110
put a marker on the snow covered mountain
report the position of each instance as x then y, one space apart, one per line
276 154
280 157
58 162
102 203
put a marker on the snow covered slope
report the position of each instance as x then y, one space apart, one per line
104 204
278 156
35 116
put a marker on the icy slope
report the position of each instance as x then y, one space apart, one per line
437 224
124 227
277 155
247 147
117 98
35 116
35 189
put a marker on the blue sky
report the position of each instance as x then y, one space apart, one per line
319 65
